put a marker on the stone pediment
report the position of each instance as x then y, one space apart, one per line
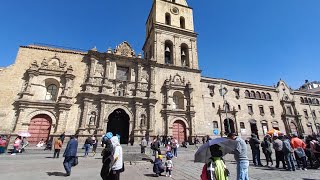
124 49
53 64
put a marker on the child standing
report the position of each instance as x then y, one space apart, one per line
169 164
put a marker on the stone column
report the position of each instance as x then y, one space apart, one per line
92 65
152 78
139 75
151 118
62 122
101 116
85 114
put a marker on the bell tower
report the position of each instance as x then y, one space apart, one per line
170 36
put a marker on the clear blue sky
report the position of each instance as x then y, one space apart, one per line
251 41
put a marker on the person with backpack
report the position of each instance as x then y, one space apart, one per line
87 145
215 169
175 146
278 146
169 164
107 160
266 149
288 154
299 151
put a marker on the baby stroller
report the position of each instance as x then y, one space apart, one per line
48 146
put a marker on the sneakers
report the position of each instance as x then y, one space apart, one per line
170 176
13 154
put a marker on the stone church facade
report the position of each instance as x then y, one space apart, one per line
52 90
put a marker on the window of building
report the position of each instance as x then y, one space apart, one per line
261 109
168 19
168 52
258 95
317 102
184 55
174 1
305 113
239 107
289 110
93 117
275 125
242 126
268 96
247 94
250 109
306 100
272 110
121 90
227 107
52 92
264 127
215 125
253 94
143 120
182 23
178 100
301 100
213 105
309 101
263 95
122 73
237 92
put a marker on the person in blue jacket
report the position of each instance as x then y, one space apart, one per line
70 154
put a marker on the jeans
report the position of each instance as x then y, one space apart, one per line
256 156
15 150
302 160
289 160
243 170
56 153
268 157
86 147
68 162
280 157
175 152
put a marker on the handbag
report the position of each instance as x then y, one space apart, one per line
76 161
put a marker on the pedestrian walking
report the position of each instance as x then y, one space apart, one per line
62 137
143 145
175 146
278 146
215 169
87 145
203 139
255 148
147 138
299 148
3 144
169 164
57 148
107 160
94 141
118 165
288 154
70 155
196 141
266 149
241 157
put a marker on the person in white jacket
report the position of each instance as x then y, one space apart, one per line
117 167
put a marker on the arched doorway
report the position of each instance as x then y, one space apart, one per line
39 128
254 127
229 122
179 131
118 123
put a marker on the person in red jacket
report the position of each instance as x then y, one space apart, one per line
299 151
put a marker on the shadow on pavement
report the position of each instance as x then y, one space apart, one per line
151 175
56 174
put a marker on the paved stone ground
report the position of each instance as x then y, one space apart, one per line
40 166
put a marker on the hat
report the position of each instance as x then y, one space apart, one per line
160 156
109 135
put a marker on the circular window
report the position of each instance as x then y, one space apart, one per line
175 10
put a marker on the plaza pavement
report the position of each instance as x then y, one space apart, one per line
38 165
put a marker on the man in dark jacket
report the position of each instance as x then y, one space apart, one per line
70 154
255 147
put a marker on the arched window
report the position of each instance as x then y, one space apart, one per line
52 92
174 1
268 96
227 107
258 95
168 19
184 55
306 100
263 95
302 100
275 125
178 100
182 23
317 102
247 94
168 52
242 125
253 94
309 101
314 101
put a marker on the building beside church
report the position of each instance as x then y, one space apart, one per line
49 90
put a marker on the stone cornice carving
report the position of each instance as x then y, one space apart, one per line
124 49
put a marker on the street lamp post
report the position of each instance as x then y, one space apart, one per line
223 91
